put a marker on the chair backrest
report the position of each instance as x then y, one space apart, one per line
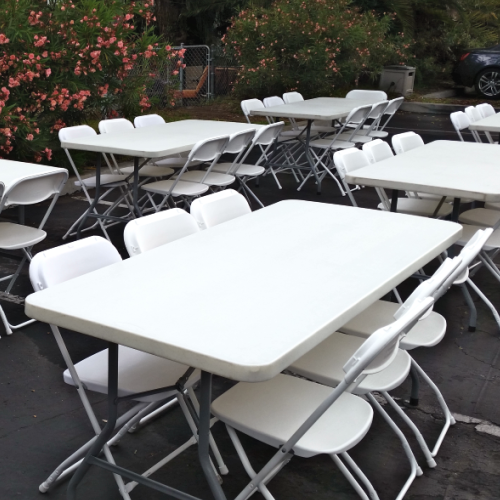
273 101
59 264
402 143
289 97
460 121
368 95
377 150
473 114
381 347
378 109
268 134
115 125
148 121
76 132
394 105
469 252
428 288
151 231
208 149
348 160
34 189
219 207
486 109
355 119
239 141
248 105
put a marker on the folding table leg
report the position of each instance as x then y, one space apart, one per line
204 441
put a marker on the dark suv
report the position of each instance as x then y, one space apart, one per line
481 68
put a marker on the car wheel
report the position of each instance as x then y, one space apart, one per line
488 83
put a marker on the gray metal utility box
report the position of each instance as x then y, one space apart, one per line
398 79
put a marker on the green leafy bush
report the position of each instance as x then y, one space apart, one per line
65 62
310 46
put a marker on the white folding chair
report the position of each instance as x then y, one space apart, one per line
217 178
26 191
176 161
474 115
430 331
147 172
138 372
364 132
303 418
349 160
216 208
322 149
207 150
265 138
151 231
460 122
289 97
387 115
369 95
485 109
406 141
109 183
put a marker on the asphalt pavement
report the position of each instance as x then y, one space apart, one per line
42 420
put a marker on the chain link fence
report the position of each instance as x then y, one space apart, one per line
204 73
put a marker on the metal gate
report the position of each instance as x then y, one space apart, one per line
203 74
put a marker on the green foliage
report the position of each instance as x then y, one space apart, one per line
310 47
62 63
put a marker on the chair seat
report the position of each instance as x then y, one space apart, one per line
424 208
378 134
15 236
149 171
137 372
324 364
325 144
426 333
182 188
468 232
480 217
272 411
244 170
108 180
346 136
212 179
176 162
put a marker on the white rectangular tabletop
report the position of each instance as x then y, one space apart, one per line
451 168
158 140
246 298
489 124
321 108
11 172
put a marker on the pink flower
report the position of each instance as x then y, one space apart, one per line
31 56
48 71
3 39
29 137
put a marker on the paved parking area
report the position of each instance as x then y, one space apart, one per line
42 421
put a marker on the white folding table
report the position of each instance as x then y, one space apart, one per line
151 142
489 124
446 168
320 108
303 270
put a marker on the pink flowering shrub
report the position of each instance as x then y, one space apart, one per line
65 62
310 46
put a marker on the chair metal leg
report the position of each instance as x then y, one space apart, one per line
421 441
348 475
485 300
449 419
415 469
472 307
368 485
